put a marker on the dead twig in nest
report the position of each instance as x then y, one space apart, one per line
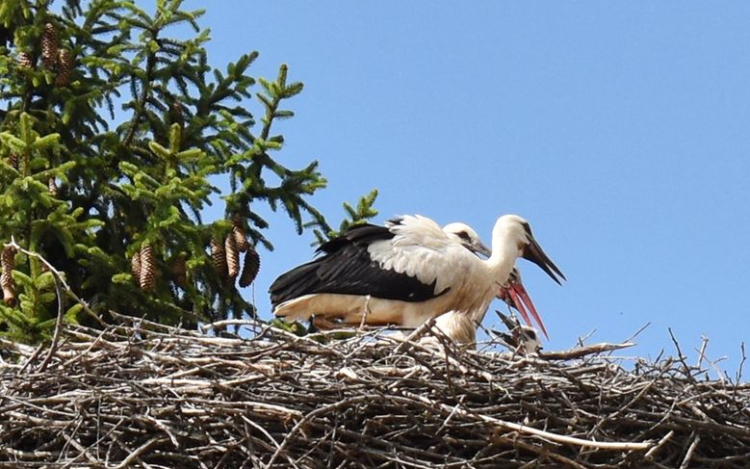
584 350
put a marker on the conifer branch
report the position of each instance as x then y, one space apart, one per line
141 104
88 198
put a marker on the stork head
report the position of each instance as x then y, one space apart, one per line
528 340
514 229
466 236
523 339
514 294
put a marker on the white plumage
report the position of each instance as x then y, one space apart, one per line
420 249
404 273
462 328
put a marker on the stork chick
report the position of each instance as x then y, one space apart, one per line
523 340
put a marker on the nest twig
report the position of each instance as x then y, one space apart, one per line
138 394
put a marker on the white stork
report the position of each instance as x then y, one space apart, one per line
462 327
460 233
404 273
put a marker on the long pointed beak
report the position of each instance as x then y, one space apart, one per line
518 304
522 301
510 323
534 253
482 248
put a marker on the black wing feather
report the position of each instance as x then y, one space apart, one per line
346 268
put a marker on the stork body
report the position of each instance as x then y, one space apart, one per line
404 273
459 233
462 328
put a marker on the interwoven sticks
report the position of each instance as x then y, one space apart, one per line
144 395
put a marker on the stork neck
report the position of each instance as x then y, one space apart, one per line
504 255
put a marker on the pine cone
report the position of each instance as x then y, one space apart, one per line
179 271
64 67
6 279
50 45
24 61
135 267
233 256
240 238
219 256
250 268
13 160
52 185
148 268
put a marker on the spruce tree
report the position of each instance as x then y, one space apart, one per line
112 135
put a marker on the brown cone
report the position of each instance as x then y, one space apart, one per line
250 268
179 271
135 267
219 256
148 268
50 45
6 279
233 256
24 61
64 67
240 238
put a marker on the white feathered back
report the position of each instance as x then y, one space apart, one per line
423 250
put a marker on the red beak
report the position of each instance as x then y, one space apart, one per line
522 301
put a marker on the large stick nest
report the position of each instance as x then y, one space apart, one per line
141 395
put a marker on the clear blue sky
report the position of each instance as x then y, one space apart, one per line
620 130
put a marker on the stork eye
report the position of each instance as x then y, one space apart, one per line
464 235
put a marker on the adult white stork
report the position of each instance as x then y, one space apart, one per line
460 233
404 273
462 327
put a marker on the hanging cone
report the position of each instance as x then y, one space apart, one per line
135 267
233 256
250 267
6 279
50 45
24 61
64 67
148 268
179 271
13 160
220 257
240 238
